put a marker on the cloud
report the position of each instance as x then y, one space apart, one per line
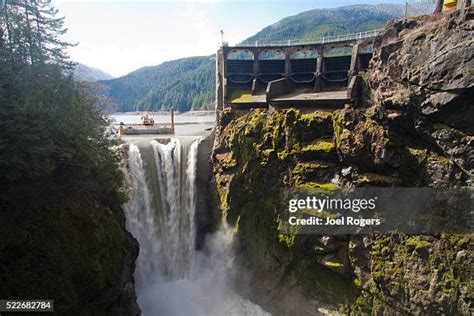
119 38
204 1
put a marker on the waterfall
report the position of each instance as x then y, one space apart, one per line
141 219
172 278
177 189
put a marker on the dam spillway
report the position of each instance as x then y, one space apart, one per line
293 73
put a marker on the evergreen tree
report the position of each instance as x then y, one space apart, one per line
31 32
51 132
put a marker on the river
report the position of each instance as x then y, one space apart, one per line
172 277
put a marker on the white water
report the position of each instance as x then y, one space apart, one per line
172 278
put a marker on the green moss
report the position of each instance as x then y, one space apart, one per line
226 160
317 123
223 193
267 152
255 122
420 154
395 258
305 167
240 97
328 186
364 75
282 155
312 171
417 243
316 115
319 145
357 282
333 264
338 127
439 159
375 179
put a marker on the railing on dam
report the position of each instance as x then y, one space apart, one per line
321 40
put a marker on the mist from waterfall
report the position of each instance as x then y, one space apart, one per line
172 278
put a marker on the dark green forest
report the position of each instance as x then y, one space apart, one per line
51 130
62 232
183 84
189 83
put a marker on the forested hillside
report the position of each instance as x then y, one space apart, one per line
327 22
188 83
183 84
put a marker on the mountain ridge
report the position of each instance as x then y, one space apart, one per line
183 84
83 72
377 15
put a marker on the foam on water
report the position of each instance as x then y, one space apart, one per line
172 278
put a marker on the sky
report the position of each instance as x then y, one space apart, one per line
119 36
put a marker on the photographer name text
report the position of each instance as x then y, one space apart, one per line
311 205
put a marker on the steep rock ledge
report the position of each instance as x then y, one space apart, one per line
422 79
68 246
422 86
417 133
257 155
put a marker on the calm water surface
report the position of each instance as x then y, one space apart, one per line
185 124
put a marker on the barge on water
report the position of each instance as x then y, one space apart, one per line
147 126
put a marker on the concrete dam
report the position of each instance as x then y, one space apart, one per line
293 73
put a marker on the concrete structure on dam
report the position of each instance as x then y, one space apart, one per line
322 72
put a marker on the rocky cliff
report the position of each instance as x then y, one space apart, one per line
68 246
415 130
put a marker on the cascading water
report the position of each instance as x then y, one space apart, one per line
172 278
141 216
177 189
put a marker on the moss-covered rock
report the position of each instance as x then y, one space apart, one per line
406 270
359 139
268 153
73 248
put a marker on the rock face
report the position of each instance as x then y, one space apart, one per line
422 85
425 63
422 74
73 248
257 154
417 132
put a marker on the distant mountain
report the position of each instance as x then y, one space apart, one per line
328 22
183 84
86 73
189 83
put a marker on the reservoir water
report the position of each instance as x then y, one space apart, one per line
185 124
